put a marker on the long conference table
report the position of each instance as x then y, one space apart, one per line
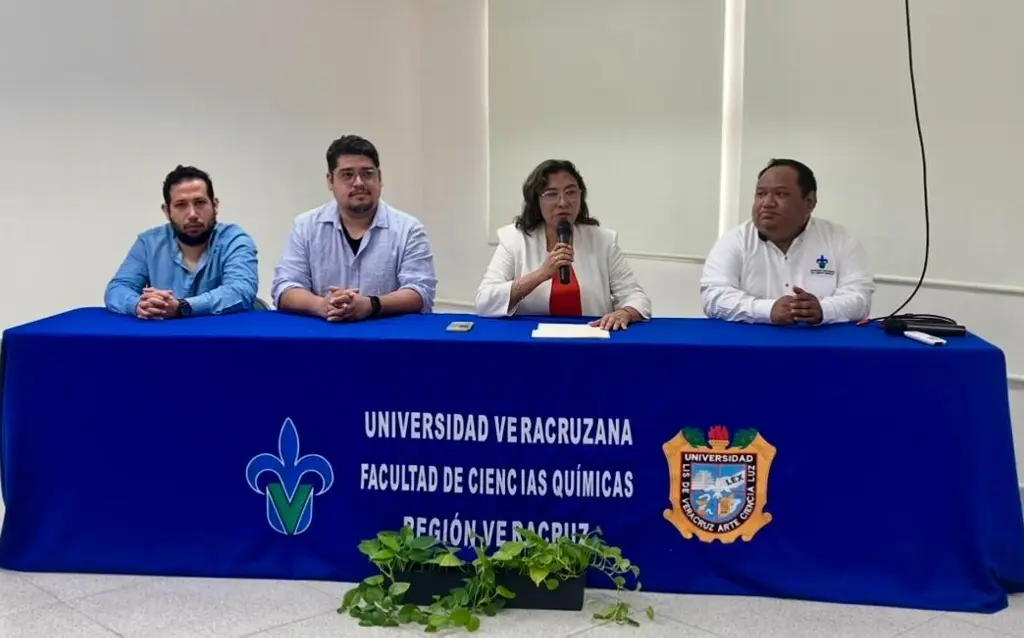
833 463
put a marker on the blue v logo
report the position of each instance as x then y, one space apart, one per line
292 486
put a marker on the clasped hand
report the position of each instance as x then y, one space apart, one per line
156 304
802 307
345 304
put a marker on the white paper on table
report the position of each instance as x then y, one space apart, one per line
568 331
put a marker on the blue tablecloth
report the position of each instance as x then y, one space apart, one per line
839 463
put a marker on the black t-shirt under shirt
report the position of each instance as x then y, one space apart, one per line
354 243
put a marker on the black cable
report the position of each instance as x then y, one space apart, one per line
924 181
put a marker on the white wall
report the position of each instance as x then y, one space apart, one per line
827 82
99 100
631 92
96 107
455 146
824 81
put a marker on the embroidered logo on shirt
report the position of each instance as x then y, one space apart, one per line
293 482
822 262
718 488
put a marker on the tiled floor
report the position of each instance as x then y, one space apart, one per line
74 605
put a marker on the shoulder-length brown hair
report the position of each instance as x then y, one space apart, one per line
535 184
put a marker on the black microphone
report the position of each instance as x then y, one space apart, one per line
899 325
564 230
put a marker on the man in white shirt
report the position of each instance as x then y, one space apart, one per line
782 266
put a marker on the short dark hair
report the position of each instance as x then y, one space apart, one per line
185 174
351 145
535 184
804 175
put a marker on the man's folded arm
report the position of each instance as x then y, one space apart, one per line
239 283
293 279
855 286
417 283
125 289
720 290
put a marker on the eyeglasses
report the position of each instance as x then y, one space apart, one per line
348 175
571 195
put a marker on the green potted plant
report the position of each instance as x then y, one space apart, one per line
424 582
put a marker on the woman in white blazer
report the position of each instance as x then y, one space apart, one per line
522 277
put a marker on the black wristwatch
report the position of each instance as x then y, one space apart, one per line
375 306
184 308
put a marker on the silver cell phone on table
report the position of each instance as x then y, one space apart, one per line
460 326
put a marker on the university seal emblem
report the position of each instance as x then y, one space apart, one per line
718 487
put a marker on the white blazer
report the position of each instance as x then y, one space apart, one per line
607 283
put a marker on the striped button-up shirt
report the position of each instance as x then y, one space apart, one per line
394 254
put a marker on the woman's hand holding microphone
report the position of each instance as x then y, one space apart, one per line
560 255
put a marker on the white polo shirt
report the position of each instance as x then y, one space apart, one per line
744 275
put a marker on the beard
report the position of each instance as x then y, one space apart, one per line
361 208
192 240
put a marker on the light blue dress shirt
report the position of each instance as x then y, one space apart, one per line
225 279
394 255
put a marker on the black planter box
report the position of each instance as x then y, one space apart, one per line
425 584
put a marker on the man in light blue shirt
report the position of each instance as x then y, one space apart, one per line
355 257
191 266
